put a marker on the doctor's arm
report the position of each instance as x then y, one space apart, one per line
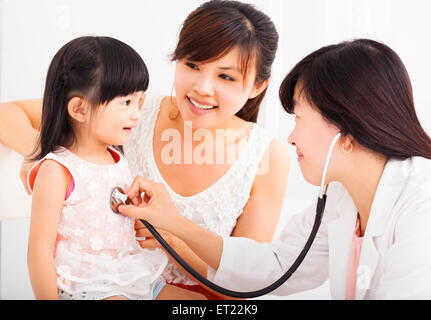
241 263
246 265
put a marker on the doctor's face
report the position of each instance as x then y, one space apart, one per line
312 137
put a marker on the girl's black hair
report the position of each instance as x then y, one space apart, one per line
363 88
97 69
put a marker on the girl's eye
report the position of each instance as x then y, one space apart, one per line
192 66
226 77
126 103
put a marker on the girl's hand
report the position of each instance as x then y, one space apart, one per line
23 173
147 241
157 208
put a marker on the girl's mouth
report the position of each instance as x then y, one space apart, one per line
128 129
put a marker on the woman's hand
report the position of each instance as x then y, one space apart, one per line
156 207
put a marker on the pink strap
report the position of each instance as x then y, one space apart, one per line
71 188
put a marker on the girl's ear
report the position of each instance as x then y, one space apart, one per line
77 109
258 88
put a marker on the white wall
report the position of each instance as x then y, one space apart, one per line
32 31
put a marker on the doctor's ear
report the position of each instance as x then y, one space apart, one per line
78 108
347 143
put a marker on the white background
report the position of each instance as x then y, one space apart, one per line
31 31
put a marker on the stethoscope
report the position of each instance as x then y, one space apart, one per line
118 197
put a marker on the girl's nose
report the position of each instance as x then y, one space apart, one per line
136 112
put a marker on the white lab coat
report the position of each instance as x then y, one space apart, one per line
395 261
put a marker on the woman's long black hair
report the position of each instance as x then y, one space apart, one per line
363 88
97 69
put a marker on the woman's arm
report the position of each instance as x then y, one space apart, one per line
19 124
262 211
241 263
50 188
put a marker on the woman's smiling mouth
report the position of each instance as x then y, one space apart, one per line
199 108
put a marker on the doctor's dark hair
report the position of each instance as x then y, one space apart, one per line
97 69
363 88
217 27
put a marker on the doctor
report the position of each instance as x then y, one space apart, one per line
375 238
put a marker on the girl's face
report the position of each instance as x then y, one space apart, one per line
113 123
210 93
312 137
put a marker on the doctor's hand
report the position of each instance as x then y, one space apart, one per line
156 207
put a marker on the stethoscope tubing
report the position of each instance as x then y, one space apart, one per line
320 208
252 294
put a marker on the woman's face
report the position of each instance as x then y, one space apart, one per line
210 93
312 137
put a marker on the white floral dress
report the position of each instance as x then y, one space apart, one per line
97 255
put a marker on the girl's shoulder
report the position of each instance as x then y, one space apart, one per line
53 166
50 174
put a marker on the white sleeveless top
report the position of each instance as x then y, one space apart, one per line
218 207
97 255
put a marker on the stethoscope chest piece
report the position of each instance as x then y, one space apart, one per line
117 198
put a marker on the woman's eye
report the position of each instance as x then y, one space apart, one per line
226 77
126 103
192 66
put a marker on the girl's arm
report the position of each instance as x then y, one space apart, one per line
50 188
261 214
19 124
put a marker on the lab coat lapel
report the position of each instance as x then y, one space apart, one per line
390 186
366 266
340 233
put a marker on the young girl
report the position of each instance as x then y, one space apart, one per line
223 66
78 248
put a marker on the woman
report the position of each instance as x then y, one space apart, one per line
223 66
374 241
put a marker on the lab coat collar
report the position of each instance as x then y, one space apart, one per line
340 231
391 184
